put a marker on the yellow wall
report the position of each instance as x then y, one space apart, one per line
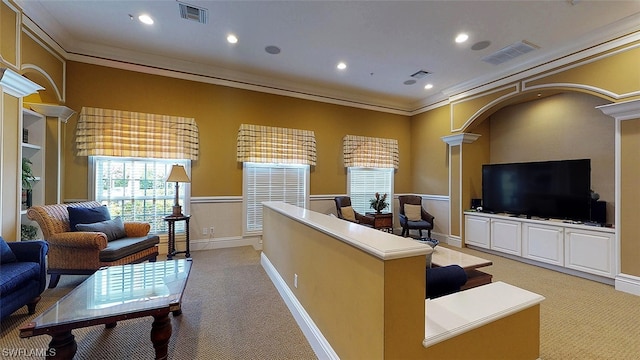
613 75
474 155
430 161
9 17
219 111
369 308
341 287
629 203
10 179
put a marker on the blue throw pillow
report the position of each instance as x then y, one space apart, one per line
6 255
78 215
114 228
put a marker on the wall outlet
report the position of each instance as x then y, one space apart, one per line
295 281
205 231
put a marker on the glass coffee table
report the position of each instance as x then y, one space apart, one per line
113 294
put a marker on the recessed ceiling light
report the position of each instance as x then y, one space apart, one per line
462 37
145 19
232 39
341 66
428 86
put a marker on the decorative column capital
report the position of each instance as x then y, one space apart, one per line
16 84
627 110
458 139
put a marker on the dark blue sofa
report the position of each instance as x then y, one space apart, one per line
444 280
23 275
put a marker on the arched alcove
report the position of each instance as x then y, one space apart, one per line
525 97
553 125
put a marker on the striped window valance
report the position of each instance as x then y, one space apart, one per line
265 144
370 152
103 132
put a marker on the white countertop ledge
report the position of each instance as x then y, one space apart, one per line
378 243
452 315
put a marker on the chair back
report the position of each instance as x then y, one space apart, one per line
54 219
408 199
341 201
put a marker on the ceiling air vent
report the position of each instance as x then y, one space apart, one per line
419 74
510 52
194 13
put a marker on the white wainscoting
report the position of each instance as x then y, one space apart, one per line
224 213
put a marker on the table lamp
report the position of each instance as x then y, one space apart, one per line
178 174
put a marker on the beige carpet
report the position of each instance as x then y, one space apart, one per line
580 319
231 310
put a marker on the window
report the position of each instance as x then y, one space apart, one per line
363 183
272 182
135 188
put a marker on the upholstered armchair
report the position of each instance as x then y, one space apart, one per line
23 275
84 252
413 216
346 212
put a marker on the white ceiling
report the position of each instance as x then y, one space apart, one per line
383 42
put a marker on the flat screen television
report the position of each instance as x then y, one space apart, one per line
547 189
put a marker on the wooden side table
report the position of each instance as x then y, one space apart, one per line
171 222
382 221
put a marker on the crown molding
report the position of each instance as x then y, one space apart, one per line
215 80
606 38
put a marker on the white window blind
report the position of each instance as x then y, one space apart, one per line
272 182
122 284
363 183
135 188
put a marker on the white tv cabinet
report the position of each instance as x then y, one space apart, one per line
574 248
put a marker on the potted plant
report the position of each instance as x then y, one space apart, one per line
27 182
28 232
379 203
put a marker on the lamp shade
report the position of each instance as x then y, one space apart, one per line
178 174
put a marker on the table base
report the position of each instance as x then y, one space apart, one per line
64 346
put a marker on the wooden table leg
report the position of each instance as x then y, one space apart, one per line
160 334
62 346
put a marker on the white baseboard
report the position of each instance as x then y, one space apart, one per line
453 241
628 283
318 342
220 243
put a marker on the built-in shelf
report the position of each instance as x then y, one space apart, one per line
34 129
62 112
31 146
